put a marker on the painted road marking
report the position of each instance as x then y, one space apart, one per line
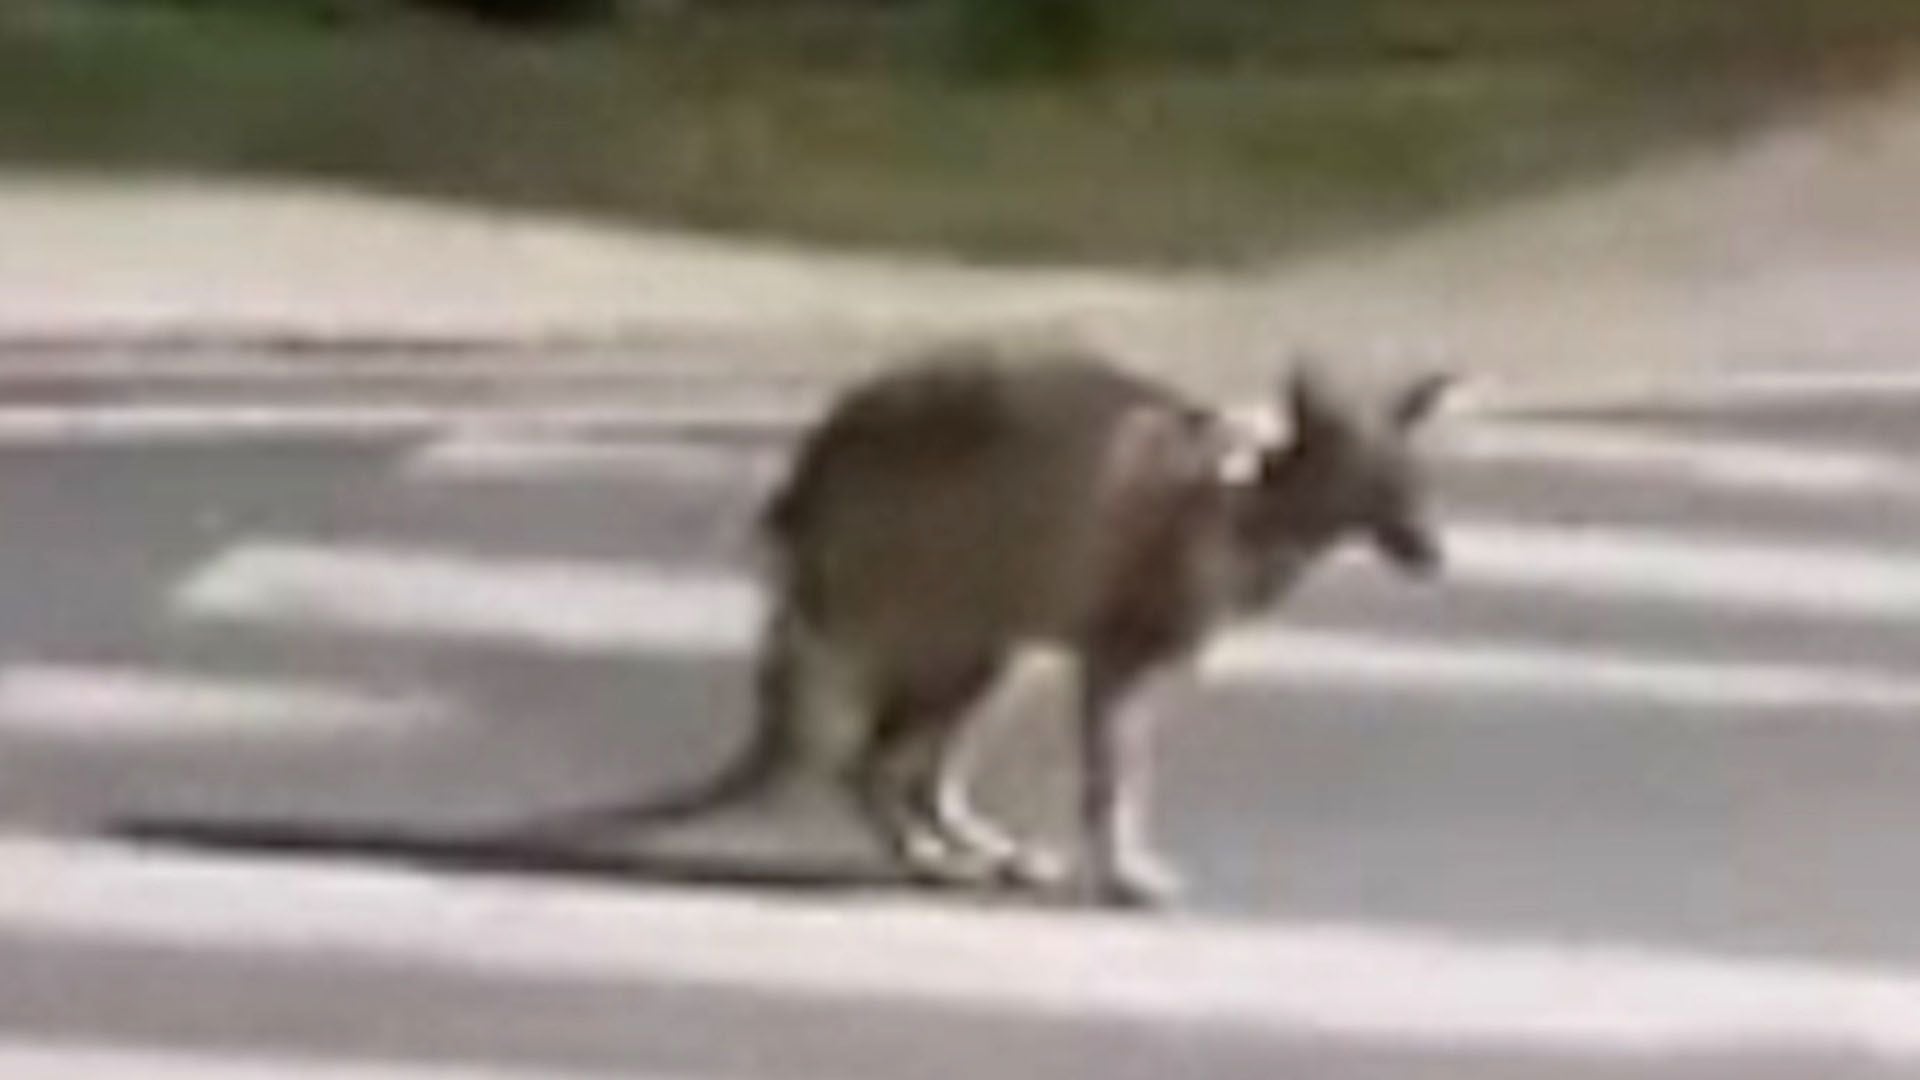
85 703
27 1059
496 455
1729 571
1784 468
1388 664
1768 467
1367 985
1724 390
319 366
31 425
556 604
620 608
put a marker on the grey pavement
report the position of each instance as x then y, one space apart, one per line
1499 760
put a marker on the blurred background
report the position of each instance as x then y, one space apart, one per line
1182 132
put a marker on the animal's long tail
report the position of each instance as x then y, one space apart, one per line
755 771
758 770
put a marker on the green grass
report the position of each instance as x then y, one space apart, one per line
1219 130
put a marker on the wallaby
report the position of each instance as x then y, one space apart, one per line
954 509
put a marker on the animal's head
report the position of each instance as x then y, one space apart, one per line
1350 470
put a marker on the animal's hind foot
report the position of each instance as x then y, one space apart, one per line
1014 869
929 858
1033 869
1139 883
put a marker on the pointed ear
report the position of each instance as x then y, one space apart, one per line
1309 403
1420 400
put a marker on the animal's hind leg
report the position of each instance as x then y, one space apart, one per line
884 786
914 785
942 761
899 779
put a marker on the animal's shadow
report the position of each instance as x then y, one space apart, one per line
481 854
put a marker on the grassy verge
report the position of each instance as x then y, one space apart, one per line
1221 130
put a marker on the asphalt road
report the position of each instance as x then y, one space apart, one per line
1668 704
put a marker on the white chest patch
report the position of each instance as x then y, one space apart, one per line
1250 434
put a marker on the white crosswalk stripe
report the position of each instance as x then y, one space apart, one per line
1733 390
41 1059
1811 472
497 455
83 703
541 604
1369 985
286 371
1802 471
598 607
207 421
1725 571
1387 664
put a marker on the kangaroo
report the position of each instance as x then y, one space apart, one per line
954 509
